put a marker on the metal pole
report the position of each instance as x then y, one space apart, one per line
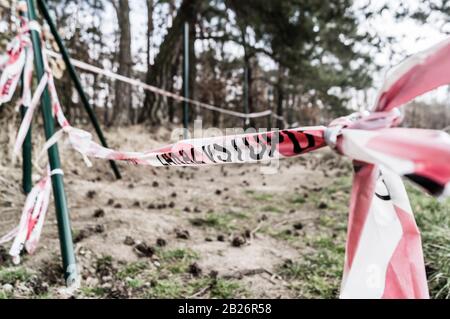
246 96
65 55
186 78
269 122
26 154
62 211
27 183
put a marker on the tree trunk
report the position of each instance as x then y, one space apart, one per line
148 100
122 106
170 102
248 76
192 66
251 107
168 51
280 98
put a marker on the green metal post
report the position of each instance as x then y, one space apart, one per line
186 78
62 211
65 55
246 96
26 155
27 183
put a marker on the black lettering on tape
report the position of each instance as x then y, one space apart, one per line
222 149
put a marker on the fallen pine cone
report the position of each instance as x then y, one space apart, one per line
182 233
238 241
143 250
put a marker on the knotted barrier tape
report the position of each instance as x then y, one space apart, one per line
384 256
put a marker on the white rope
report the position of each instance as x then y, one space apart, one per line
91 68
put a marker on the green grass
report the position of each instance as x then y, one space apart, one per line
171 279
272 209
93 291
177 260
132 269
167 288
226 289
11 275
178 254
4 295
238 215
284 234
264 197
104 262
135 283
297 199
433 220
318 273
213 288
220 221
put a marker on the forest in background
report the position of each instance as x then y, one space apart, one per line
152 234
307 61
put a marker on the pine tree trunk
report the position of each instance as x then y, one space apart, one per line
122 105
168 50
149 98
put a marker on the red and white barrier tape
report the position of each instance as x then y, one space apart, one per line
383 252
13 67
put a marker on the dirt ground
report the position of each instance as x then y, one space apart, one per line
221 231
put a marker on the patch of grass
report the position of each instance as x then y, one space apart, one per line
433 220
336 195
318 274
342 183
285 234
238 215
178 254
263 197
93 291
135 283
336 223
132 269
226 289
271 208
297 199
211 220
104 262
219 221
11 275
5 295
176 288
166 288
326 220
177 260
